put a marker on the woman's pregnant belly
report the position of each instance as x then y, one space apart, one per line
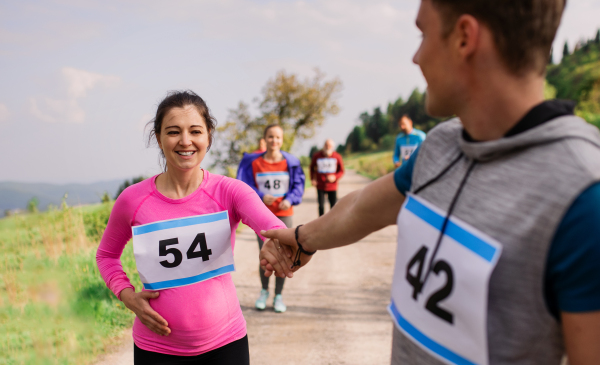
201 316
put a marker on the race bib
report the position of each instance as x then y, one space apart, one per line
326 165
406 151
273 183
183 251
446 315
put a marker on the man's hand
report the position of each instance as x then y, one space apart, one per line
313 182
268 199
138 304
285 205
287 241
397 164
276 258
331 178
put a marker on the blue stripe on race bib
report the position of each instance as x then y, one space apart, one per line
191 280
271 173
183 222
457 233
426 341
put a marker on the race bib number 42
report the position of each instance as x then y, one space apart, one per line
183 251
445 314
326 165
273 183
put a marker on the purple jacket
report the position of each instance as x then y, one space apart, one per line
296 189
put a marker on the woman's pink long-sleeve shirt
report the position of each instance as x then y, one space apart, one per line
202 316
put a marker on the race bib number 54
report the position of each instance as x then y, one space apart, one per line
183 251
445 314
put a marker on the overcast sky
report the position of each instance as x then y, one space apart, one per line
80 79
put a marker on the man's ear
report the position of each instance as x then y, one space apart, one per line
466 35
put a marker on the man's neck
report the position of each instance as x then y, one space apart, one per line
497 102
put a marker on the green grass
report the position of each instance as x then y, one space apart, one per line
370 164
54 305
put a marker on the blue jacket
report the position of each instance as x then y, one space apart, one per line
296 189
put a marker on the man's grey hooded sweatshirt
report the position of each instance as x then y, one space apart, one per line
517 192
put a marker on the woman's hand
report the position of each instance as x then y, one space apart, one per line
277 259
138 304
285 205
331 178
268 199
268 255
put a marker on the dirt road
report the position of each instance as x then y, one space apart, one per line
336 305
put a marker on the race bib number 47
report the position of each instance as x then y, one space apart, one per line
273 183
406 151
183 251
446 314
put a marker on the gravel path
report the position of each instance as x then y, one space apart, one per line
336 305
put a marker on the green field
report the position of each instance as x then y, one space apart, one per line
370 164
54 305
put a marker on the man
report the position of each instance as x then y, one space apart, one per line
498 235
407 141
262 146
326 168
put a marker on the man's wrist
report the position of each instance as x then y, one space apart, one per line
304 237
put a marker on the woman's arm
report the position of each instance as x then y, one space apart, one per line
108 258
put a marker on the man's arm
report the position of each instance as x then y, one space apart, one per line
581 332
352 218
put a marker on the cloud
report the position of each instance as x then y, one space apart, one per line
78 83
3 113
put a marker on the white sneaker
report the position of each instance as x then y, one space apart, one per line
278 304
261 302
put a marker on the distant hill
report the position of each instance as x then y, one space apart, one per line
15 195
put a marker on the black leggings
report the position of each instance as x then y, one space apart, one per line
331 195
234 353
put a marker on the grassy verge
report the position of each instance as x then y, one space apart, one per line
372 165
54 305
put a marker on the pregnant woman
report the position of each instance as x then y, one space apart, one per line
183 224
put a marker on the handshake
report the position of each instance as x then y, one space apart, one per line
283 254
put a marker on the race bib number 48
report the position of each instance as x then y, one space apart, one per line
273 183
446 314
326 165
183 251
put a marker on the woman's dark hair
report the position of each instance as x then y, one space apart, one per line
180 99
269 127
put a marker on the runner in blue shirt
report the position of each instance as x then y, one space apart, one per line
407 141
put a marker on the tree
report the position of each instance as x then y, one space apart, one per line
597 39
32 205
376 126
356 139
127 184
106 198
551 58
314 149
566 49
298 106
